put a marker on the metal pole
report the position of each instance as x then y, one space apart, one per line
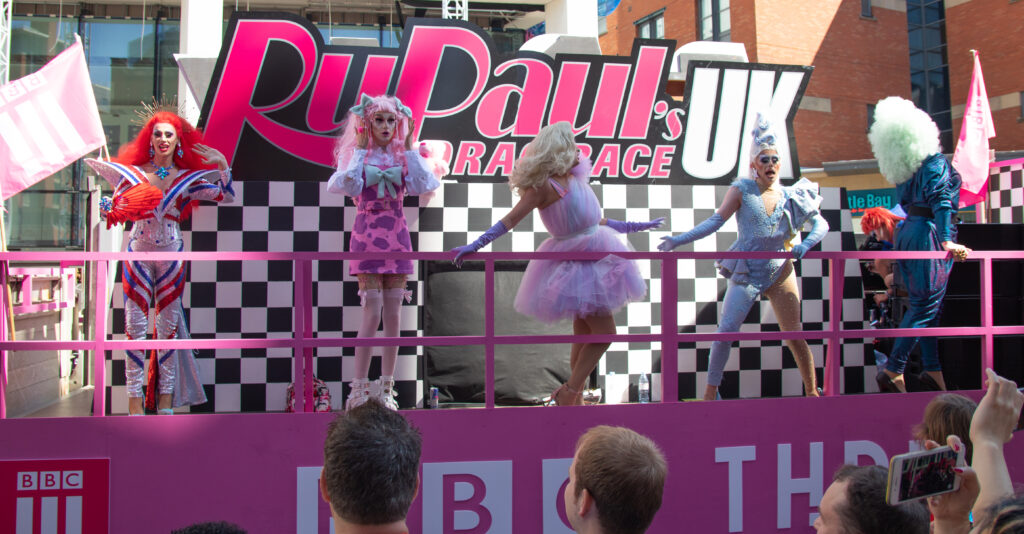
669 328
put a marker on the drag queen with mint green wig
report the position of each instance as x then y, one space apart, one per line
906 143
769 216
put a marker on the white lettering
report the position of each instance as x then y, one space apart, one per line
735 456
789 486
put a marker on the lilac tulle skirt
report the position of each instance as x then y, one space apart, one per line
554 290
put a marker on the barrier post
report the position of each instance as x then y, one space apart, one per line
99 356
299 327
669 330
3 337
987 357
834 354
307 333
489 333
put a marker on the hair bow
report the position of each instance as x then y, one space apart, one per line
366 100
402 107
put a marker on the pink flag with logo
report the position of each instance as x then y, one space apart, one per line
971 156
48 119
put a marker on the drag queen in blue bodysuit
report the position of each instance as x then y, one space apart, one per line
769 216
906 143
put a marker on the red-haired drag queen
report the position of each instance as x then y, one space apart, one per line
168 154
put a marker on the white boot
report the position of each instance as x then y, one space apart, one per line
359 393
386 392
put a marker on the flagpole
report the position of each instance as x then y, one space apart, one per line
6 276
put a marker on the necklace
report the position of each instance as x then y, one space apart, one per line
162 172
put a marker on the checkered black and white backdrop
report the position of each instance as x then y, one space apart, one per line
1006 192
254 299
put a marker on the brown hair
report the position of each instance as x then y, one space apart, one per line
624 472
865 510
947 414
1004 517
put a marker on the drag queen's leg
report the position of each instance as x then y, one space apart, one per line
738 300
372 298
394 293
784 296
579 328
170 286
925 281
587 358
136 325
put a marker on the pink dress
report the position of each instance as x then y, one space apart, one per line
554 290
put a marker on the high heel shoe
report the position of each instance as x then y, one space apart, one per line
885 383
576 395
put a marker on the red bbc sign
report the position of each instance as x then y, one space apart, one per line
44 496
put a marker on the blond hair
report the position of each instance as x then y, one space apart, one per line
551 153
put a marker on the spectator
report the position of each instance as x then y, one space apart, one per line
211 527
615 482
948 414
855 504
371 470
986 486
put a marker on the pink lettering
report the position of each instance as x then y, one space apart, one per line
323 106
586 151
674 121
533 100
608 101
643 91
472 504
629 167
242 68
377 75
425 48
566 104
661 161
467 161
607 161
503 158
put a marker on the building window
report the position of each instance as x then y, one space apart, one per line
1021 118
929 68
865 9
652 26
713 20
871 115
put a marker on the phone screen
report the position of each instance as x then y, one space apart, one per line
927 474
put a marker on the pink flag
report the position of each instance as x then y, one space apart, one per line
971 155
48 119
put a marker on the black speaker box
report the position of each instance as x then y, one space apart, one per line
454 306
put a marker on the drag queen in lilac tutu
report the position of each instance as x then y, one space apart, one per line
553 178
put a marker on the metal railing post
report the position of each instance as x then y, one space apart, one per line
834 354
987 356
489 333
99 356
669 330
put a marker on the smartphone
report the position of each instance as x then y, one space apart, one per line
919 474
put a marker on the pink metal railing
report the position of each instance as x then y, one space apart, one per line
302 341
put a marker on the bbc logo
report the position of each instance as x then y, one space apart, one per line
49 480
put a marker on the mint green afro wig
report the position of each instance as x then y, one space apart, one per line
902 136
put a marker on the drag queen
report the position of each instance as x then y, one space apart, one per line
769 216
378 164
906 143
168 154
552 178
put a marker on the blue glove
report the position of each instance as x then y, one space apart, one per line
628 227
704 229
818 231
491 234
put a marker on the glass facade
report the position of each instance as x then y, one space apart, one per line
929 68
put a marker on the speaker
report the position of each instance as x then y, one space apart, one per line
454 306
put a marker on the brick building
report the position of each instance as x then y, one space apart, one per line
861 52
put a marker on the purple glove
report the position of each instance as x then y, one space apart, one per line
628 227
491 234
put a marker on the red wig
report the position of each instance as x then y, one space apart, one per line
136 152
875 218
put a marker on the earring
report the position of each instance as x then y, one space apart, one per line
151 152
180 152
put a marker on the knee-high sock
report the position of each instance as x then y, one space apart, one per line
392 328
738 300
367 329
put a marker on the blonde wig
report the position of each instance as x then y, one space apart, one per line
551 153
902 136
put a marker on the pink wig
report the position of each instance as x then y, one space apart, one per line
370 106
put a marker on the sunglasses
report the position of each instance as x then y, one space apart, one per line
769 159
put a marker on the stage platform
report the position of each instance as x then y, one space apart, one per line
734 466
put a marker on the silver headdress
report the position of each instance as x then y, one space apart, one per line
764 136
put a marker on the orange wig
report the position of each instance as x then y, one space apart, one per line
136 151
875 218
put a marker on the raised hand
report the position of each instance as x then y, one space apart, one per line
362 135
410 135
627 227
211 156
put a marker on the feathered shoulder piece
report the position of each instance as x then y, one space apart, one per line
902 137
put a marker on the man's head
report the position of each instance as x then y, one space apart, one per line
371 465
615 482
855 504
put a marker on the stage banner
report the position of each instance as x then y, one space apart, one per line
279 96
48 119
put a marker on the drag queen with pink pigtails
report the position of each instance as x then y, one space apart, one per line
552 178
378 164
